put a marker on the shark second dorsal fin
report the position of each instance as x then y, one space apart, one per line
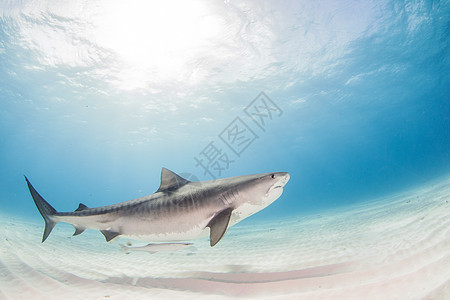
170 181
81 207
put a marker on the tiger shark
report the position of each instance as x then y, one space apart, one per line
179 210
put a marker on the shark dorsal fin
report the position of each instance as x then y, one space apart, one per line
81 207
170 181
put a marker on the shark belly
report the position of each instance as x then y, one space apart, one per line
177 227
189 234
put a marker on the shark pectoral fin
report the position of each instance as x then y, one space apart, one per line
109 235
218 226
78 230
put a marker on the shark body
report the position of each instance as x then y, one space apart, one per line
179 210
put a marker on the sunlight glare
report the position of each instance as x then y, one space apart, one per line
157 37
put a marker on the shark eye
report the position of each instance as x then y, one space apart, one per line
273 175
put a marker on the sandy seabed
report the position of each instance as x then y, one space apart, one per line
392 248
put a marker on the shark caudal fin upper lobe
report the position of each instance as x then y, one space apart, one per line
46 210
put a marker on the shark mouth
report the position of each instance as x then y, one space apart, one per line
276 188
280 184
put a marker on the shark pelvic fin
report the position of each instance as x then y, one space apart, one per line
78 230
218 226
109 235
81 207
170 181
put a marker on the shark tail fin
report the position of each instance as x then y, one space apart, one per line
46 210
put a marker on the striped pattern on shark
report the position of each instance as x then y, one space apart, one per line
179 210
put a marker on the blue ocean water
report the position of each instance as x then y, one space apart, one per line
96 97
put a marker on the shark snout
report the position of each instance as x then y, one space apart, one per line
282 179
